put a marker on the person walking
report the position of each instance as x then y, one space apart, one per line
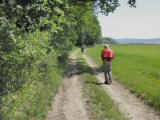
107 57
82 48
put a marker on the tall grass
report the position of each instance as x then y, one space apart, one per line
137 67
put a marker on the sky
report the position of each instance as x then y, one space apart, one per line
141 22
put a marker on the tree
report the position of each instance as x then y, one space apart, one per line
109 40
87 26
38 34
106 6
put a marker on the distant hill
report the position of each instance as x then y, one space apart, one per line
138 41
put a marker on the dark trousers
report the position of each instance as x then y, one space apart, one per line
107 70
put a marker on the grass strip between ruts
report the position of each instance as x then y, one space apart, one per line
100 105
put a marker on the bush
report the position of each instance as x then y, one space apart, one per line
29 77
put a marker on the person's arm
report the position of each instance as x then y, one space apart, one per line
102 56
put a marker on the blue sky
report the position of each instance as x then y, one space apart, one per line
140 22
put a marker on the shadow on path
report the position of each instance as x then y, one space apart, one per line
95 83
78 67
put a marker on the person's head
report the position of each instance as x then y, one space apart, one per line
106 46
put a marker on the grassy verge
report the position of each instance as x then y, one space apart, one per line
101 106
137 67
34 99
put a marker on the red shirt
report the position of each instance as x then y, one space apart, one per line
107 54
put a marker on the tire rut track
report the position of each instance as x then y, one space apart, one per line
69 103
129 105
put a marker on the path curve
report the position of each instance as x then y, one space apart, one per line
128 103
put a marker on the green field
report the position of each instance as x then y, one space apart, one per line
137 67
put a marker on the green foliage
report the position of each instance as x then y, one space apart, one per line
31 102
136 66
105 6
88 28
35 39
108 6
27 14
29 77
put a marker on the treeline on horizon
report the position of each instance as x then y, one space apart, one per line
35 39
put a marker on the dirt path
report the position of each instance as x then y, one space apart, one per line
69 103
128 103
